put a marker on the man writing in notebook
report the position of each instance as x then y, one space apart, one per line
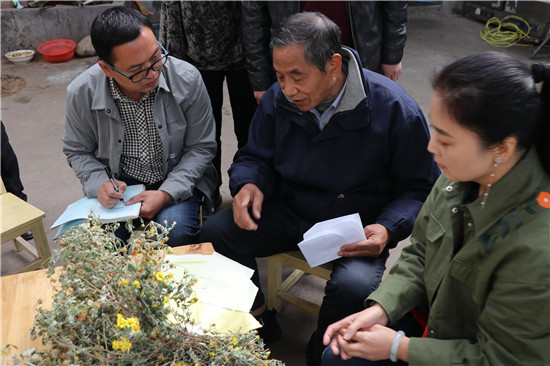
328 139
147 117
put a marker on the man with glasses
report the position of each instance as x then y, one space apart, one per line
146 116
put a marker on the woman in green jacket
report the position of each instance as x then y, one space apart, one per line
478 267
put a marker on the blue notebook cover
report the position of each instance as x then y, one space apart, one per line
77 213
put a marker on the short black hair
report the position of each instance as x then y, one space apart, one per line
320 36
116 26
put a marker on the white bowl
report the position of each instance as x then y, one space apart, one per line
20 56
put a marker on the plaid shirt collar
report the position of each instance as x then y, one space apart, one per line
117 94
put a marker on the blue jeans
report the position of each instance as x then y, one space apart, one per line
185 214
407 324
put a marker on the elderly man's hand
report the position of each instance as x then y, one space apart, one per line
249 196
377 239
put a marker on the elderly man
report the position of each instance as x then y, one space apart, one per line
147 117
328 139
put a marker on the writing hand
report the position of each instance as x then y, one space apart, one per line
151 202
106 194
249 196
377 239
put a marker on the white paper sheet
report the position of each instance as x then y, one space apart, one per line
224 291
221 281
323 241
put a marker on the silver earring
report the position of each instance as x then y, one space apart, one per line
498 160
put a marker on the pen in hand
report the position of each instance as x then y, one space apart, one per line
112 179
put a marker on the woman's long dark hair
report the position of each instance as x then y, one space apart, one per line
495 95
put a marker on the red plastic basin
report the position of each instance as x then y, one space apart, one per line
58 50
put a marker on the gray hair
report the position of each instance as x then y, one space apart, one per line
319 36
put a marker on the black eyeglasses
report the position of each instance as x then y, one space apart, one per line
142 74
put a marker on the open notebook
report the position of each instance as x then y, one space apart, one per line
77 213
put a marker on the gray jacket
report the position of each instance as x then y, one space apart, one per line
94 132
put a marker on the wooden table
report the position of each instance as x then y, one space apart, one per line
20 292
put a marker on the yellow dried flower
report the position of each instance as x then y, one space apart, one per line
121 323
122 345
159 276
130 288
134 324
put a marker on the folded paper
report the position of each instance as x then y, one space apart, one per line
323 241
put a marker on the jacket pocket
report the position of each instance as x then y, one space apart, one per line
434 231
469 277
464 273
435 253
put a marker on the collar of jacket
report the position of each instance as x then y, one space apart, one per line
102 99
356 90
520 185
356 93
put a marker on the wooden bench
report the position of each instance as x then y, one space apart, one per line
278 289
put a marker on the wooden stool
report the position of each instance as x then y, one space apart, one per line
277 289
18 217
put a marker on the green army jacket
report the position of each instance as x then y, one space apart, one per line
488 304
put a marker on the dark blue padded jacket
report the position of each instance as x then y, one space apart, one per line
370 159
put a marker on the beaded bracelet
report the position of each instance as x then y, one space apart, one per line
395 345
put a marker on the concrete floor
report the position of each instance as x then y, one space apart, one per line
34 119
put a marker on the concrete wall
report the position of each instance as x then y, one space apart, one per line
28 28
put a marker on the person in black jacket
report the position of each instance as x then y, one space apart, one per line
10 172
329 139
375 29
